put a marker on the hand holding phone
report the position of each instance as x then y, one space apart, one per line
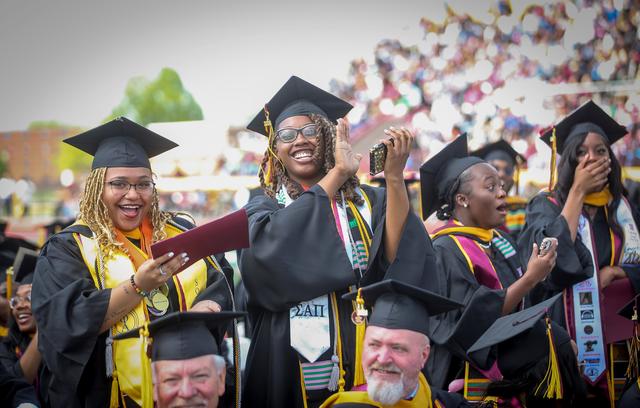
545 245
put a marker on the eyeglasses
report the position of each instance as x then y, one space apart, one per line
288 135
122 187
14 301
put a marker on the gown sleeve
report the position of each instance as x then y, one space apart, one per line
287 247
69 309
573 263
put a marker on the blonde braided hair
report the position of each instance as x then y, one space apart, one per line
327 136
94 213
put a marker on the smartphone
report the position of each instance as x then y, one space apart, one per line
545 245
377 157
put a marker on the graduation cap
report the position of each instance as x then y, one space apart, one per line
398 305
502 150
24 266
523 340
121 143
298 97
439 172
587 118
184 335
177 336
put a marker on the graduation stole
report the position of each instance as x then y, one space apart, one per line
472 241
108 270
585 295
422 398
309 321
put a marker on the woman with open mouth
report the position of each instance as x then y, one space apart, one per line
598 267
315 234
98 278
19 350
478 264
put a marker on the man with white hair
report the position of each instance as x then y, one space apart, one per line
396 348
186 366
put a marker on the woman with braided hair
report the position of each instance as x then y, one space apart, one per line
97 278
315 234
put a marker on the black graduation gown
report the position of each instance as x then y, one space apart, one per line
8 357
454 332
296 254
574 262
69 310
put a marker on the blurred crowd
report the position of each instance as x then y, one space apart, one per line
503 73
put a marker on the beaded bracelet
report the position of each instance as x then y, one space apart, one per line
136 288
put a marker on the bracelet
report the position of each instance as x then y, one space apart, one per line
136 288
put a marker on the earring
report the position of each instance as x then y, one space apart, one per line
465 205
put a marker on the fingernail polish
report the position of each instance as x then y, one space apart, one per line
186 259
171 254
183 255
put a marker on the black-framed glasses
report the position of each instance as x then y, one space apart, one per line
15 301
122 187
289 134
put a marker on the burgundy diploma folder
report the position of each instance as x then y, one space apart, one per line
224 234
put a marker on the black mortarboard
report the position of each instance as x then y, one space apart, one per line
513 324
121 143
500 150
298 97
521 338
398 305
184 335
439 172
587 118
24 266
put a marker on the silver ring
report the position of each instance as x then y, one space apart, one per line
163 273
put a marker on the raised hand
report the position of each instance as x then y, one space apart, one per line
540 265
347 162
398 149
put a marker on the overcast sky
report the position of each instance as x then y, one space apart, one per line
70 60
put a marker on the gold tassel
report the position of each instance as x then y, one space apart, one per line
554 154
634 348
9 283
360 321
115 391
551 381
147 386
516 179
268 127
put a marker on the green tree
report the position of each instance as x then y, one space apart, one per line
162 100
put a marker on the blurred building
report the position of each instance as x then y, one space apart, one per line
30 154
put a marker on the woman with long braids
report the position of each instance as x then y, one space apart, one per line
598 241
97 278
315 234
478 267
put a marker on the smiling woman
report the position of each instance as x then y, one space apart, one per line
100 273
314 234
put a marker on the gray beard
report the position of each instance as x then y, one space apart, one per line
386 393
